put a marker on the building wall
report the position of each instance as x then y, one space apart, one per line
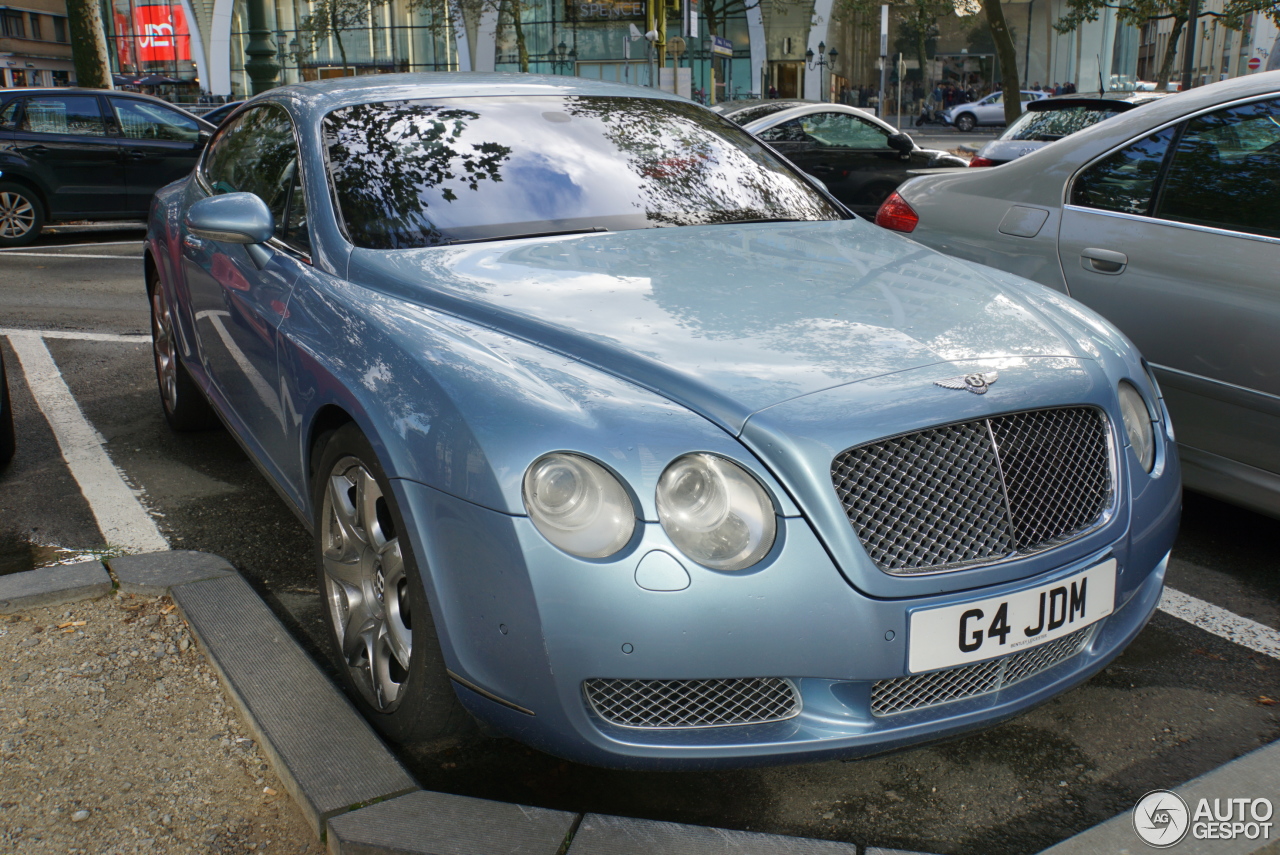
34 46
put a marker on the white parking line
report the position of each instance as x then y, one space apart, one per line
1222 623
122 519
74 255
137 243
124 338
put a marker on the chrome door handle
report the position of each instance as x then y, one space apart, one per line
192 242
1105 261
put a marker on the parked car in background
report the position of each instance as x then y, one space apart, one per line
985 111
217 115
1051 119
1166 221
68 154
614 429
859 157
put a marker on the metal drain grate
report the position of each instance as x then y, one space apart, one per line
918 691
980 491
692 703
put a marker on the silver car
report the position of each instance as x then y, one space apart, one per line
1166 220
987 111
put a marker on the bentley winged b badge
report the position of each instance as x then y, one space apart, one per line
975 383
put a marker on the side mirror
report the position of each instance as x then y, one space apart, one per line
816 180
232 218
900 142
203 137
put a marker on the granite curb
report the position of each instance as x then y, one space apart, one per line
361 801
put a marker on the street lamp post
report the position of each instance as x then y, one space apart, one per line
562 58
261 64
822 59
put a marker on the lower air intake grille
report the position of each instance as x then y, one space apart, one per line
918 691
692 703
976 492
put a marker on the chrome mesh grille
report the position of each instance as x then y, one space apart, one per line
692 703
979 491
918 691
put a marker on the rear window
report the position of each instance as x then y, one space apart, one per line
1049 125
429 173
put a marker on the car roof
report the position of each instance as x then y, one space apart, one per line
728 108
325 95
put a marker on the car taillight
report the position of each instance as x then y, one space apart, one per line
982 161
897 215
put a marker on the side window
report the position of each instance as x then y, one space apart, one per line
256 154
842 130
141 120
8 113
1225 171
791 131
1125 181
78 115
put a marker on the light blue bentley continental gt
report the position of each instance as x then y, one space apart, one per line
619 434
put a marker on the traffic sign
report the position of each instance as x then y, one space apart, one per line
1255 64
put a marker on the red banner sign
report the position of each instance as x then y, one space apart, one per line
161 34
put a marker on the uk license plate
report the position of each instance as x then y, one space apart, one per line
947 636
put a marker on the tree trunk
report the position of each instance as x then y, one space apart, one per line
522 47
342 49
1008 60
922 59
1170 53
88 44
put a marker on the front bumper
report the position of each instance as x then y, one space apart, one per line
527 624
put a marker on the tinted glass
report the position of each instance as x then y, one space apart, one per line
830 130
1048 125
8 113
1225 171
255 154
292 227
1125 181
141 120
759 111
78 115
412 174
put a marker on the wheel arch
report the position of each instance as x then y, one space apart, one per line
33 185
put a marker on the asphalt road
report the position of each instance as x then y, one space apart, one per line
1179 702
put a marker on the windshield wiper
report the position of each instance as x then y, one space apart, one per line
530 235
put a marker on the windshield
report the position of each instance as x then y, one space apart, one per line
1049 125
747 115
428 173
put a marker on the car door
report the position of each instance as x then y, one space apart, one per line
848 153
1175 239
239 295
990 110
158 145
62 138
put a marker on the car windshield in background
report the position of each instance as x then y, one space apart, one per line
746 115
1049 125
418 173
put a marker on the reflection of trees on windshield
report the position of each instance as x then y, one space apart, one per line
384 156
695 168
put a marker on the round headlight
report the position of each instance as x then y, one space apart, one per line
715 512
578 505
1137 424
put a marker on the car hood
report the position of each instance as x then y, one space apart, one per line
727 320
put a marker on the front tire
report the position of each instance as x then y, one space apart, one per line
185 406
21 215
965 122
379 621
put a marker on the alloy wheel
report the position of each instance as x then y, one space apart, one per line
17 215
163 348
365 583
